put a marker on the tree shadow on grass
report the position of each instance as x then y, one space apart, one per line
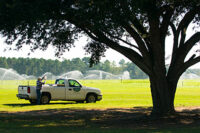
137 118
28 104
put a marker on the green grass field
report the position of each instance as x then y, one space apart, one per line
116 94
63 116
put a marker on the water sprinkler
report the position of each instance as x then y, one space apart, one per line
44 78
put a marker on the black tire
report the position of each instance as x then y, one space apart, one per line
91 98
33 101
80 101
45 99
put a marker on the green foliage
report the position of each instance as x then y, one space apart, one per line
135 72
37 67
60 22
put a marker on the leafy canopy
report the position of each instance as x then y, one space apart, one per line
127 26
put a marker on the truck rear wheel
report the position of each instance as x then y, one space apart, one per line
91 98
45 99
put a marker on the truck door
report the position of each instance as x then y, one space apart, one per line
74 91
59 91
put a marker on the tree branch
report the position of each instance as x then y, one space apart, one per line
173 28
122 41
175 43
166 21
129 53
137 38
188 64
180 54
187 19
132 18
138 26
188 45
90 34
183 35
174 50
100 37
189 16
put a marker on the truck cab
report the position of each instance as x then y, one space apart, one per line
69 89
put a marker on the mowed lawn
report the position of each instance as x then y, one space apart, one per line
122 110
116 94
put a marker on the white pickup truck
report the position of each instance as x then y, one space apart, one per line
63 89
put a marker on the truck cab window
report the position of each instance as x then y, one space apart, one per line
73 83
60 82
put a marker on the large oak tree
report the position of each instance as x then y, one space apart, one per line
135 28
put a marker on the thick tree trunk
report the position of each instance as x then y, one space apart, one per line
163 94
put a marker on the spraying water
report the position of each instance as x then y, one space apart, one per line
73 74
10 74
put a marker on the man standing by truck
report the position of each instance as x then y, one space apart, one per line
39 87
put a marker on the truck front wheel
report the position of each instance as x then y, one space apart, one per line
45 99
91 98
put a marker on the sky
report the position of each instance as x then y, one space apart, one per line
78 51
75 52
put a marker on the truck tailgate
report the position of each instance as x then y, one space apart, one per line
22 90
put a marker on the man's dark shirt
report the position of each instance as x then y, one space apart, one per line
39 84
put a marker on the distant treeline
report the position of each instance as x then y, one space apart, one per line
36 67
